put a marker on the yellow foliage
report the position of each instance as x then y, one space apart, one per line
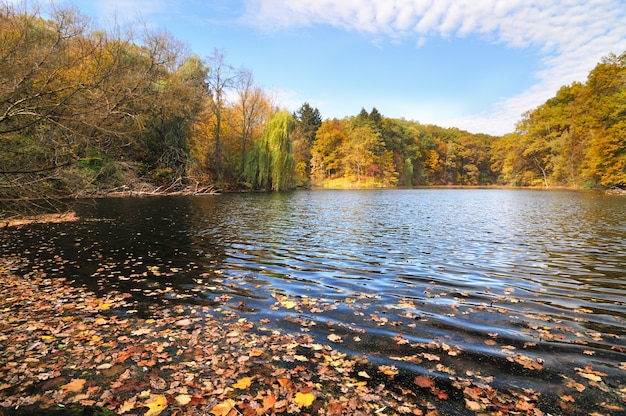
156 404
304 399
243 383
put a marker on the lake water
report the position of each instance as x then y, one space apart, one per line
524 288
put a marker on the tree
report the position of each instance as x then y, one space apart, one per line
221 78
253 107
360 149
178 104
605 156
308 120
270 163
327 150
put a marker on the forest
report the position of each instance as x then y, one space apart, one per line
86 111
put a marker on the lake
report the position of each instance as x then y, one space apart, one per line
521 288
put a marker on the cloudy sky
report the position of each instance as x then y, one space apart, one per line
473 64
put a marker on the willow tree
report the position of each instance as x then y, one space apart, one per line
270 163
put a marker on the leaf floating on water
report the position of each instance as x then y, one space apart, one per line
334 338
424 382
288 304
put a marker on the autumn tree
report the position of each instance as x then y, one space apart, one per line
363 144
327 150
70 98
605 156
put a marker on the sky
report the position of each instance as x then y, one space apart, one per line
473 64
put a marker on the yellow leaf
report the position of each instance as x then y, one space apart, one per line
104 306
590 376
156 405
288 304
304 399
243 383
224 408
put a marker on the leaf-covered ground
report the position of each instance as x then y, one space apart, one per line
64 346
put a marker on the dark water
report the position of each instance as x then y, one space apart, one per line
479 277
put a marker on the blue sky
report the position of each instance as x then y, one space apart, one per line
473 64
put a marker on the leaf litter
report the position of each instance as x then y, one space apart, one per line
64 345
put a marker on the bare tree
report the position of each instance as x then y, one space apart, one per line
221 78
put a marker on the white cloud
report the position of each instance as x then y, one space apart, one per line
570 35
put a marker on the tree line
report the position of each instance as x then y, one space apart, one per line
86 110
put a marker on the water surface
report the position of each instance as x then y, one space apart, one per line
527 288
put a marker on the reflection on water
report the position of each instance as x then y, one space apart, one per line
543 272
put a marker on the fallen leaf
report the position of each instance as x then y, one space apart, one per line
268 402
473 406
256 352
424 382
223 408
334 338
243 383
127 406
304 399
156 404
288 304
364 374
183 399
74 386
590 376
389 370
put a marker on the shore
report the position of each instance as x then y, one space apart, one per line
63 346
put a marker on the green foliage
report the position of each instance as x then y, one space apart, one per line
270 163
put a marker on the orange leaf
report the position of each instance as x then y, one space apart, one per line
127 406
74 386
424 382
224 408
268 402
256 352
284 382
304 399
